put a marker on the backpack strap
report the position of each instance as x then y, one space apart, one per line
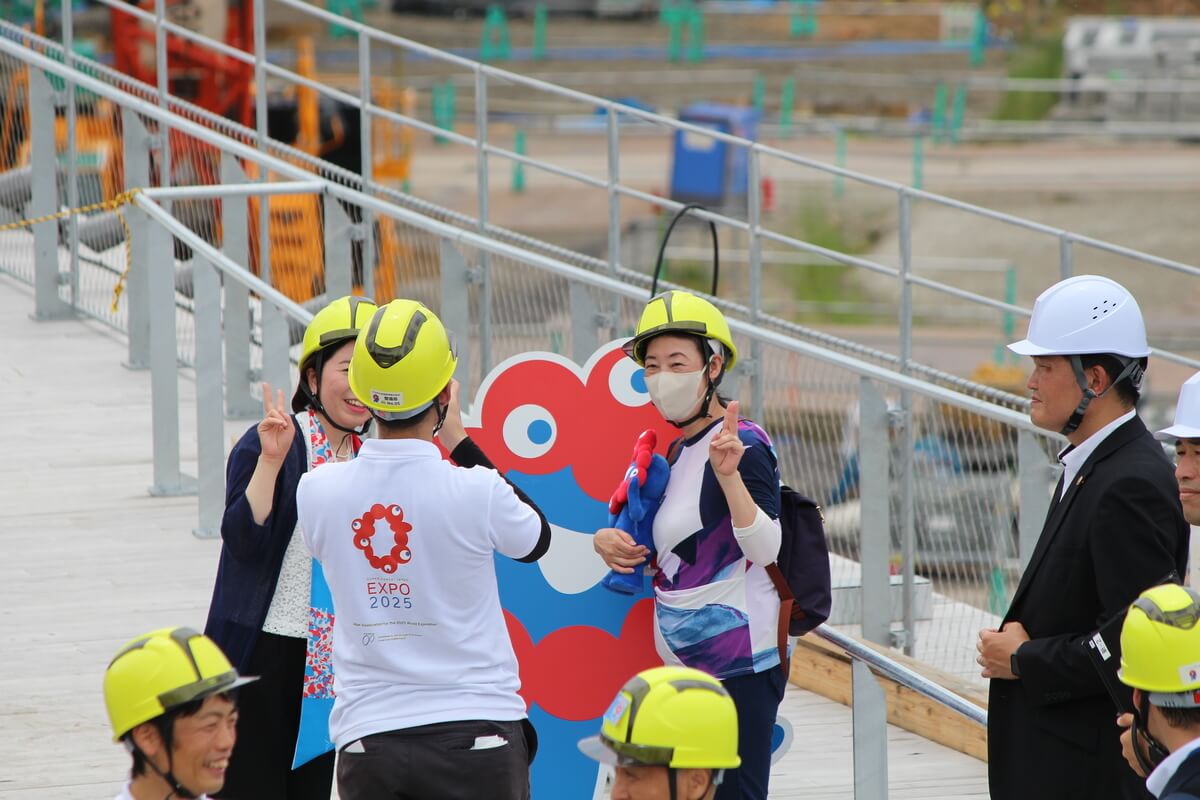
786 600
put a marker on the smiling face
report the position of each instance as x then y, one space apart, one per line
651 783
1187 472
340 403
200 748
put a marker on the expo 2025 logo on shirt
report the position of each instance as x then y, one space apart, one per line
364 533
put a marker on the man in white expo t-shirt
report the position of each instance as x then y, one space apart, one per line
425 675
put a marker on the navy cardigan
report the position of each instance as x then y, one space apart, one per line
252 555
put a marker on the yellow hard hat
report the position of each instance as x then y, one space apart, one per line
402 359
163 669
338 322
681 313
672 717
1160 646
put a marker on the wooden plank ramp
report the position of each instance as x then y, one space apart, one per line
90 560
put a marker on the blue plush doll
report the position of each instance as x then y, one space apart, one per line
634 505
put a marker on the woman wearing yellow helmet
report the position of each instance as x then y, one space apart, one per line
265 582
716 530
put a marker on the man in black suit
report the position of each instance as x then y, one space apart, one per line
1114 529
1160 660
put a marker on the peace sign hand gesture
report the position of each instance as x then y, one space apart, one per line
725 450
275 431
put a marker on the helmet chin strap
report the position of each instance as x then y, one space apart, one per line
1132 370
1156 753
177 788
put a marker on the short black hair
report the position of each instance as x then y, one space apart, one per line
1183 718
401 425
1127 392
166 727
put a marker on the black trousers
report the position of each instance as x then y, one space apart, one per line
757 698
465 760
268 719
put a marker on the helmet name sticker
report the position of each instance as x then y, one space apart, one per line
1189 673
617 709
363 529
387 398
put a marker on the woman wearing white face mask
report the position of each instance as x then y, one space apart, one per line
717 528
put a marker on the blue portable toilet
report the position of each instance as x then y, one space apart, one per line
708 171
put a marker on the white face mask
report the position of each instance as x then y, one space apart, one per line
676 394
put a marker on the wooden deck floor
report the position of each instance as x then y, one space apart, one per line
89 559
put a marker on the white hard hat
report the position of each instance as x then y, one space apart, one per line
1083 315
1187 413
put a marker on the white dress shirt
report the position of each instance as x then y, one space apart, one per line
1158 779
1073 458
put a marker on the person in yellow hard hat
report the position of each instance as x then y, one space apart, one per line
172 701
1160 661
427 702
716 531
265 584
670 733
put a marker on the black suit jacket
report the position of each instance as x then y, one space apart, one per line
1117 531
1185 783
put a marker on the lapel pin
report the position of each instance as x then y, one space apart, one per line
1080 481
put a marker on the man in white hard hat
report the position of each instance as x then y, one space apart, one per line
1115 528
1185 433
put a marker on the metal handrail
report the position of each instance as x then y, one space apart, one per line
484 71
890 668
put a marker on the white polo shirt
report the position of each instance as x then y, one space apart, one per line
406 542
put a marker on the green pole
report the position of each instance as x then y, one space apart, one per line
518 169
939 113
787 103
758 98
794 24
960 110
839 183
918 180
439 111
539 32
809 26
673 14
979 38
505 49
695 48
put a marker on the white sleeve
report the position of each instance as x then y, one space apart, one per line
303 519
513 525
760 539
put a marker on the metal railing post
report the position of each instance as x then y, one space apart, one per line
908 435
1066 257
482 187
276 340
1034 475
162 79
235 243
210 413
48 303
874 491
614 197
156 258
584 322
870 734
339 250
135 143
260 127
456 308
68 33
367 156
754 214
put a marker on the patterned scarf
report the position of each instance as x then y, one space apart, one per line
317 701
